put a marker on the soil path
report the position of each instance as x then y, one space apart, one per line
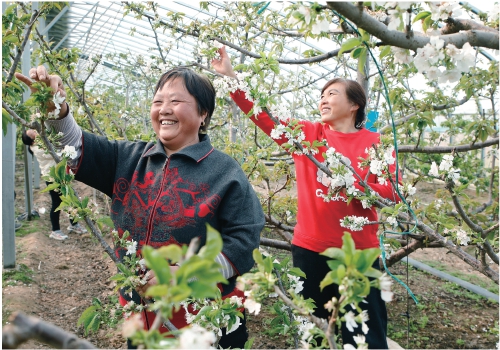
67 275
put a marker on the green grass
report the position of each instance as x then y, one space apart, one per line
28 227
20 274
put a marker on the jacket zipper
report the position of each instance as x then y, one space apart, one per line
151 215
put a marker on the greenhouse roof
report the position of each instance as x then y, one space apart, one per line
101 28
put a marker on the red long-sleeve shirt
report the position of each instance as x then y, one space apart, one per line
318 222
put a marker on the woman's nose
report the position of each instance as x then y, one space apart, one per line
165 108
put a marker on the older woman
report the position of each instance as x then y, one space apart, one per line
342 106
165 192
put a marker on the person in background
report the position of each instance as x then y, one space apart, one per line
342 109
46 161
165 192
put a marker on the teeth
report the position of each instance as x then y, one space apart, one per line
168 122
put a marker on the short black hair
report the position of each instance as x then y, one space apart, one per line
28 141
198 85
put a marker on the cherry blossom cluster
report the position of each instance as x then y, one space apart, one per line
342 177
446 168
354 223
304 329
379 159
459 234
444 64
196 337
57 100
69 152
214 325
307 18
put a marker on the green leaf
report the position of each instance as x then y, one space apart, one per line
421 15
85 202
362 60
334 264
257 257
268 264
356 52
90 319
10 39
295 271
329 279
385 51
6 120
157 290
60 171
156 262
106 220
349 45
51 187
335 253
370 255
213 245
348 246
171 252
373 273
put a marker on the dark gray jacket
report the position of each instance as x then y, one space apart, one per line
164 200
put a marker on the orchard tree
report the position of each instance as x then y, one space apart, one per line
420 63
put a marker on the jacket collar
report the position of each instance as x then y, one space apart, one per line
197 152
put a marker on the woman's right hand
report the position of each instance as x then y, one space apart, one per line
223 64
54 81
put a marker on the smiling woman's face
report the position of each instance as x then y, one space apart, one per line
175 117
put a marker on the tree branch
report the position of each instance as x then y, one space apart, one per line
399 39
454 25
447 149
20 49
24 328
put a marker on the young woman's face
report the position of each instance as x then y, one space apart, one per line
335 107
175 117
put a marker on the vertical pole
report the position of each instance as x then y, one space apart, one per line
8 213
28 171
8 183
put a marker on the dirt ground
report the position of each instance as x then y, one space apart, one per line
68 274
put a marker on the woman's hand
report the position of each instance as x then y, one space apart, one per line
152 281
54 81
223 65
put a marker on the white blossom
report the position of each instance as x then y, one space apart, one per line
385 287
131 247
320 26
392 221
41 210
69 151
132 325
350 321
278 131
296 283
446 162
306 11
196 337
235 326
354 223
411 190
454 174
360 341
434 170
238 301
252 306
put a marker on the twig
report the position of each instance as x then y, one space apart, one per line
20 49
24 328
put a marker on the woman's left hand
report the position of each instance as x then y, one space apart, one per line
152 281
